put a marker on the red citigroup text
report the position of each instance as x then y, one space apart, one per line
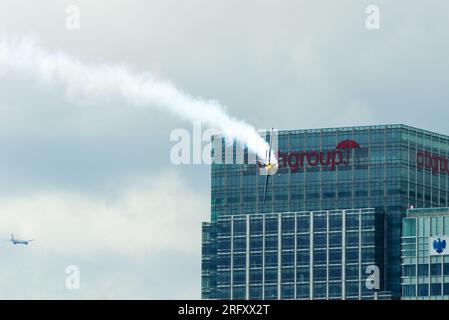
299 159
436 163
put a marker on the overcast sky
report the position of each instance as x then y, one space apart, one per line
94 184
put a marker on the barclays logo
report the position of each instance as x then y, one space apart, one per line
438 245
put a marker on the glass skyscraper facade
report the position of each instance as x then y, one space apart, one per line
298 255
388 168
425 254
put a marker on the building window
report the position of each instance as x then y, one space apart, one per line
319 256
335 256
367 221
423 290
334 289
255 260
271 225
303 241
352 221
288 242
302 291
302 274
288 259
368 255
224 293
271 292
239 293
352 239
239 227
271 242
335 239
435 269
271 259
446 289
319 290
423 269
224 277
368 238
288 275
335 222
303 258
271 275
239 260
319 273
335 272
409 270
224 245
255 226
352 272
255 276
255 292
319 223
224 227
255 243
408 290
319 240
435 289
239 277
224 261
352 255
288 225
288 292
446 269
239 244
303 224
352 288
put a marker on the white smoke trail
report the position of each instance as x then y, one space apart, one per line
25 55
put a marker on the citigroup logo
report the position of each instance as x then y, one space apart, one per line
341 155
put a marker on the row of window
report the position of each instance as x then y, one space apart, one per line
433 269
303 224
303 241
302 258
287 275
352 289
425 290
425 226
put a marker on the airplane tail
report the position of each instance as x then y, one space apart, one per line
12 237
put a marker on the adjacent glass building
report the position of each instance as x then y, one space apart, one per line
425 254
388 168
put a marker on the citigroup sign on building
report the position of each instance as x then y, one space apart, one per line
331 159
436 163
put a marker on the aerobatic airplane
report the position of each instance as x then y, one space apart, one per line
270 165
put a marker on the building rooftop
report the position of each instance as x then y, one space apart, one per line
362 128
427 212
354 128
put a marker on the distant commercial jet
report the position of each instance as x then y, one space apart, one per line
17 241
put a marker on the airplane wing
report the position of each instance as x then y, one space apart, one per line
265 189
266 179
